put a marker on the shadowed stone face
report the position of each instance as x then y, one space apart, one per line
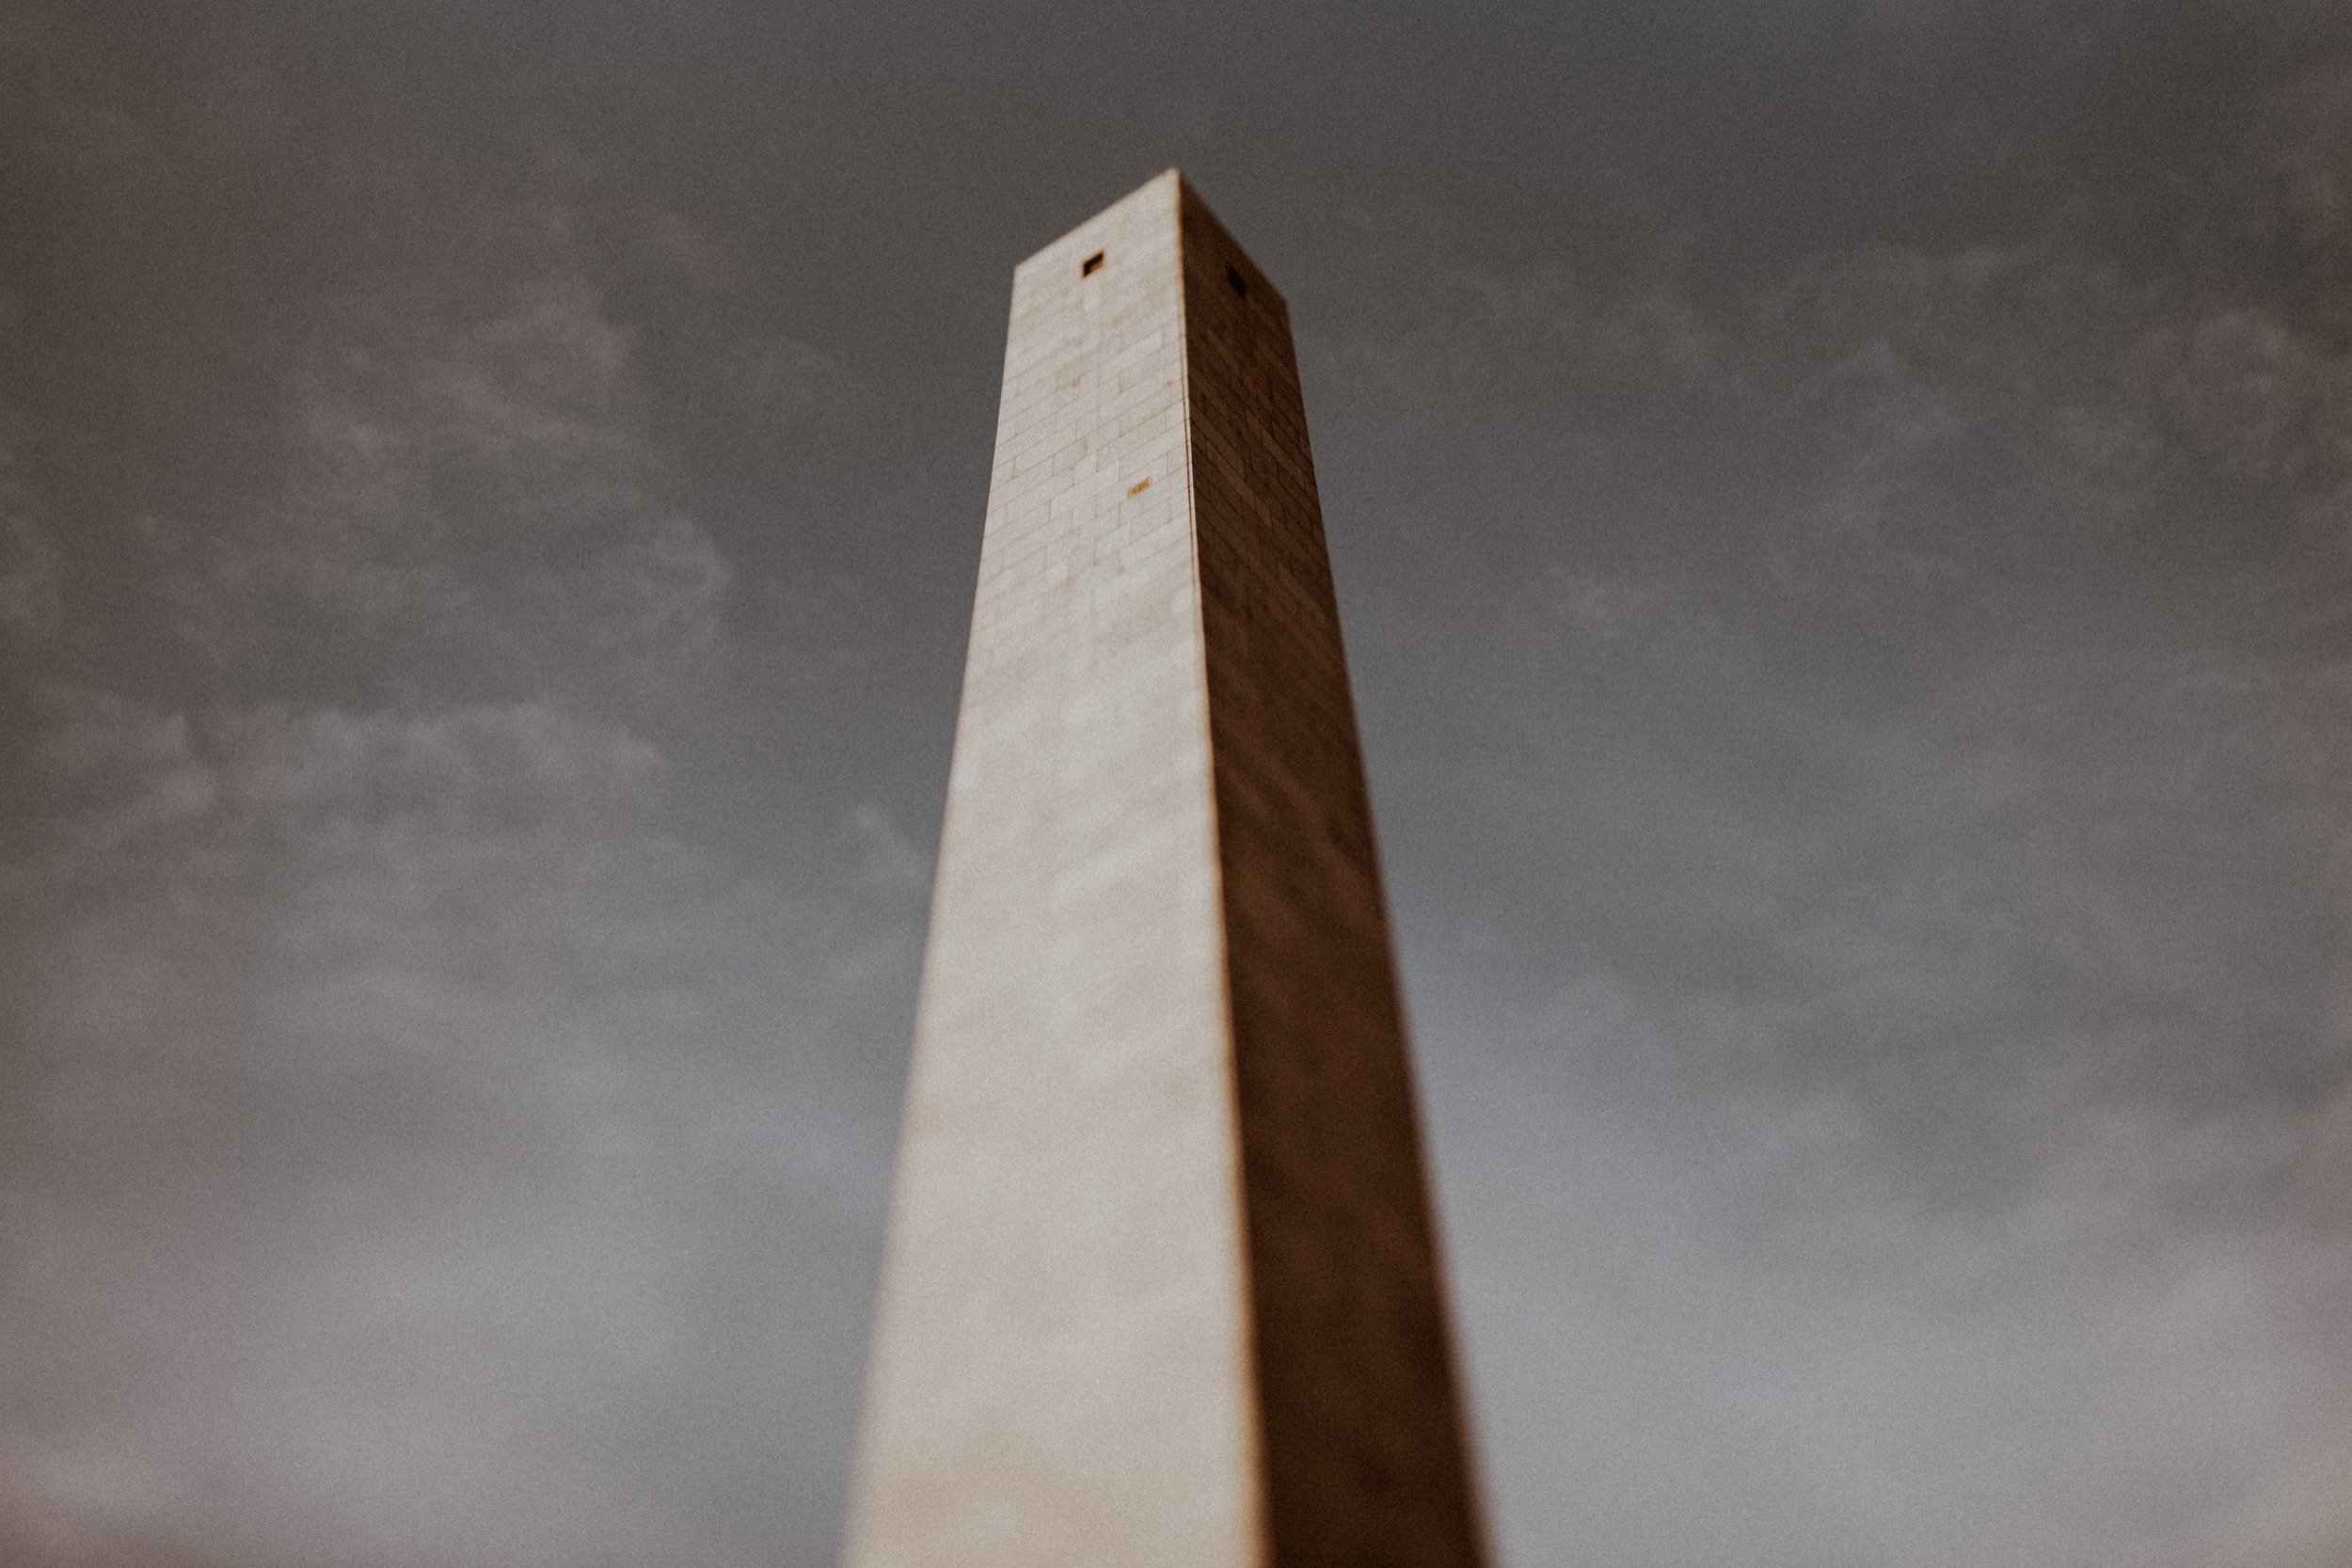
1161 1284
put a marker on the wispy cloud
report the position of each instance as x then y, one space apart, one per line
462 1039
32 602
417 1111
1841 530
469 477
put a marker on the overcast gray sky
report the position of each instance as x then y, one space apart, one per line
1843 515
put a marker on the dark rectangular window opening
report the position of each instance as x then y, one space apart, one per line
1241 284
1086 268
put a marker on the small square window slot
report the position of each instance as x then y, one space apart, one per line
1090 265
1241 284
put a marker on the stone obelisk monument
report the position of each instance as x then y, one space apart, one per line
1161 1286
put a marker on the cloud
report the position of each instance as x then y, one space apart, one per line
889 862
1844 562
782 379
2269 402
32 602
427 1103
2301 153
470 479
32 568
1929 419
402 1086
1958 1187
1934 1147
1749 1289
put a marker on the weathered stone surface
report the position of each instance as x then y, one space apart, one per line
1161 1286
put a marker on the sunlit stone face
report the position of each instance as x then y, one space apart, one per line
1160 1286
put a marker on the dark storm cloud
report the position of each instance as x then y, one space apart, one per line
1842 513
